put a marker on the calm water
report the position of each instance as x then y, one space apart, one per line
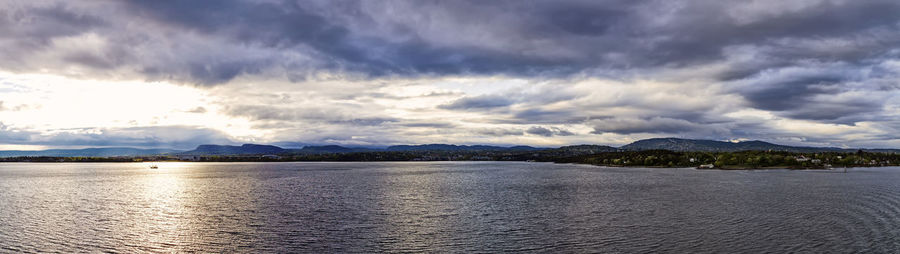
443 206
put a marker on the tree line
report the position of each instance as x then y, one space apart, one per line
647 158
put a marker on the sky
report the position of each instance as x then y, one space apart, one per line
177 74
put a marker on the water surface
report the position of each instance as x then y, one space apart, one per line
442 206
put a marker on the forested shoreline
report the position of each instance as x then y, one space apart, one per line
648 158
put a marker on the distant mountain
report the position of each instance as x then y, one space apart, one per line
677 144
672 144
89 152
234 150
458 148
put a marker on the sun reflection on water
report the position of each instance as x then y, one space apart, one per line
160 207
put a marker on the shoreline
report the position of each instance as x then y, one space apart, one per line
733 168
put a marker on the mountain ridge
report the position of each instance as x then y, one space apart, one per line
672 144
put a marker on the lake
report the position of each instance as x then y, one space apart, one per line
442 207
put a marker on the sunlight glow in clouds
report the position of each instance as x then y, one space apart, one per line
54 105
58 103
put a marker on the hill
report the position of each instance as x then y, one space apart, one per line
682 145
234 150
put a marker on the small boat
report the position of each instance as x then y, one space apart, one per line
153 166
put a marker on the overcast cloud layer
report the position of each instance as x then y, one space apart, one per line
374 73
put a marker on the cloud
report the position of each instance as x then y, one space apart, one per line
19 107
180 137
197 110
184 41
651 125
11 135
479 102
835 92
548 132
333 115
500 132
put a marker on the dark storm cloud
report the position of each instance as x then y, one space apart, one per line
540 131
534 38
479 102
839 93
33 27
548 132
537 115
653 125
790 94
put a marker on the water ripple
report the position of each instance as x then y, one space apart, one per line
442 207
